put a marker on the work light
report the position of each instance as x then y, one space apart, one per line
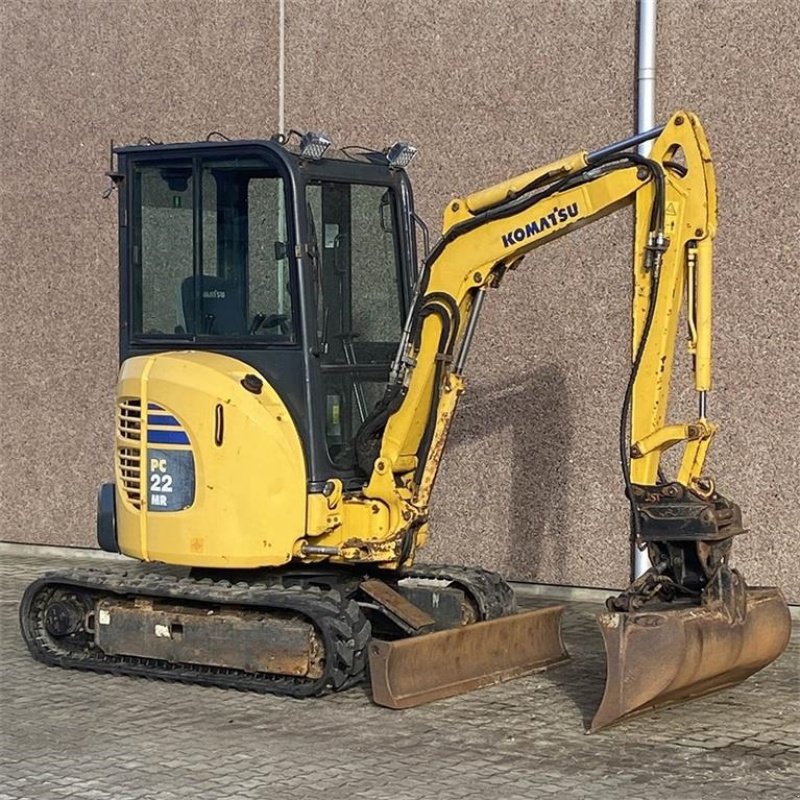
400 154
313 145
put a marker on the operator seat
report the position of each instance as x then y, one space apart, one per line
222 307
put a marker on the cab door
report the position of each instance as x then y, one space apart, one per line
360 296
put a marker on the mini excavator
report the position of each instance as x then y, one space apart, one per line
288 379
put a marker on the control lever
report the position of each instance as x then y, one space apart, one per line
279 321
258 321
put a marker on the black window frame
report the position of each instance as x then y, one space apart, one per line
404 293
200 158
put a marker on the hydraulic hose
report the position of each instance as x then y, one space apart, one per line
655 235
624 449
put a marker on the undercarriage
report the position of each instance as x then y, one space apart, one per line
289 633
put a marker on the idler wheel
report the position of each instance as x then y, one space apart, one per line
62 617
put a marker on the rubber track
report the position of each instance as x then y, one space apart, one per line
344 630
492 595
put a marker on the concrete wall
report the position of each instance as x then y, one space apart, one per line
531 483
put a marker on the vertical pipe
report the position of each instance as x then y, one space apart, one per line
645 121
281 63
646 71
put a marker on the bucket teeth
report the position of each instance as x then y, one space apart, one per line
661 657
432 666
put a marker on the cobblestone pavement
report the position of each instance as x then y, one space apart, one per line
68 734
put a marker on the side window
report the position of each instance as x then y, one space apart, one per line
245 289
268 274
162 253
359 304
376 312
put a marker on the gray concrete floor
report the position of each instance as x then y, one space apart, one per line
68 734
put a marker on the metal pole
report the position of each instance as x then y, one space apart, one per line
646 72
281 63
645 121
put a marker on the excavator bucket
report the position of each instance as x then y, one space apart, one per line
661 657
419 669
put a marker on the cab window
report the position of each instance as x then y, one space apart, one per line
209 252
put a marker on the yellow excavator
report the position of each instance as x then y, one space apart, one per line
288 378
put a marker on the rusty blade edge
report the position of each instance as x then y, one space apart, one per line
698 692
652 666
421 669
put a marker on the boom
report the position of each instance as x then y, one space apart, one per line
490 231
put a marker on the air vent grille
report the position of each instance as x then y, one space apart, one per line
129 456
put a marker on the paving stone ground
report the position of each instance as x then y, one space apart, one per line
67 734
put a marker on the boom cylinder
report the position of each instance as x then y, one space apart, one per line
477 304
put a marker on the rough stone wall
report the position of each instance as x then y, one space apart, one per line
485 88
73 75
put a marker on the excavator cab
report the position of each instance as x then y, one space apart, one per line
301 267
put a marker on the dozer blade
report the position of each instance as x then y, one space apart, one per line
661 657
432 666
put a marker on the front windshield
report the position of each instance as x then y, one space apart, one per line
222 272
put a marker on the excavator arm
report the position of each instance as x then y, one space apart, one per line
689 625
489 232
